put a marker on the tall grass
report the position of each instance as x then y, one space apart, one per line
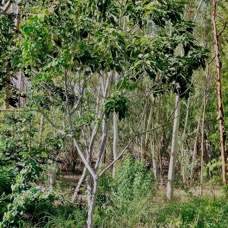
130 200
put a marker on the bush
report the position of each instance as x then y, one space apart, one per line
23 195
26 205
5 180
6 177
125 199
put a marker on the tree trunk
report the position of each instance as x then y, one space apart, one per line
52 177
202 130
219 93
105 128
79 184
202 145
149 126
154 162
195 150
144 126
41 129
91 203
115 140
7 93
183 155
173 149
160 162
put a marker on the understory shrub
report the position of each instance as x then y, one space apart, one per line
127 201
6 175
123 201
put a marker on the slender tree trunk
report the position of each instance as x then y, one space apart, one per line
103 144
52 176
115 140
144 126
173 149
159 142
79 184
202 130
219 93
160 162
115 133
183 155
202 145
143 157
91 204
195 150
7 93
149 126
41 129
154 162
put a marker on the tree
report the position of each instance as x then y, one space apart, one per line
67 47
192 58
219 92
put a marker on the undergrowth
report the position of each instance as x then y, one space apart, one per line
197 212
128 200
123 201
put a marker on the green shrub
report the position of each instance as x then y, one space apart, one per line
24 206
133 178
24 196
124 199
6 178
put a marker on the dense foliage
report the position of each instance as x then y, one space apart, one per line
84 82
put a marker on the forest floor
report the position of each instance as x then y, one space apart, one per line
187 209
183 195
69 181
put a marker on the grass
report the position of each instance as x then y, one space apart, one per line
130 200
146 212
154 211
197 212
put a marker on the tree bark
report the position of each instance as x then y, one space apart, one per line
41 129
115 132
52 177
183 155
160 161
154 162
115 140
202 145
195 150
91 203
79 184
202 129
219 92
173 149
149 126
